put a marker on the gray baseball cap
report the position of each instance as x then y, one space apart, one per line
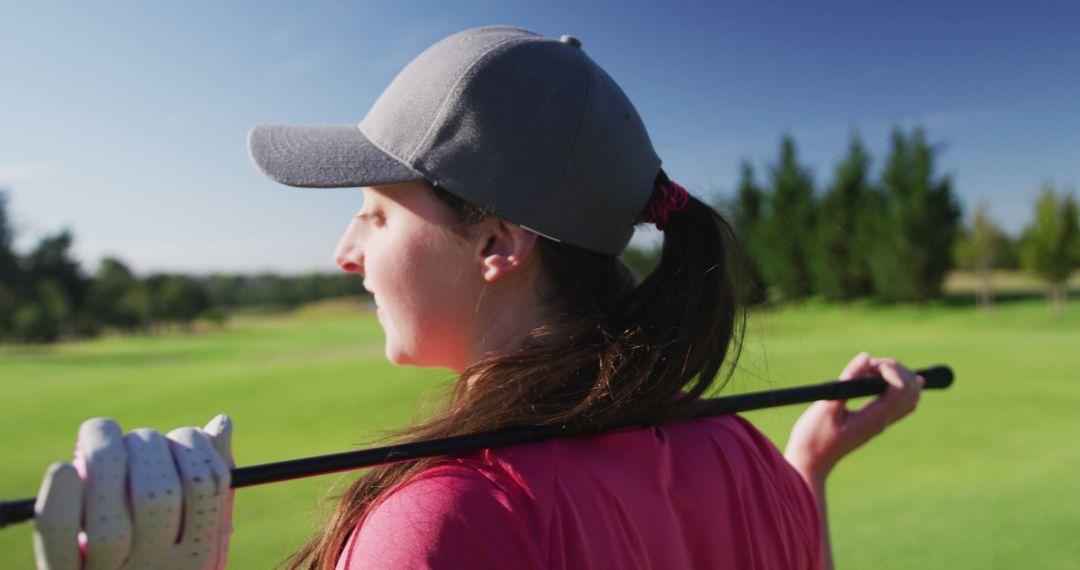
525 126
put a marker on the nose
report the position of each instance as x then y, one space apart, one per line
349 253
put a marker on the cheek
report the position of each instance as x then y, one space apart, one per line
425 329
428 305
439 276
439 306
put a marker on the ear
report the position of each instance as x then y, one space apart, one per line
505 249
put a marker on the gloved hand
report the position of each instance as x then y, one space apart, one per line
141 500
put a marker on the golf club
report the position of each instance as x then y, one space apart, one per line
22 510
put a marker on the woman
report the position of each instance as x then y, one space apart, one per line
502 173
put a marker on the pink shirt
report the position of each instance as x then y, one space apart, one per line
711 493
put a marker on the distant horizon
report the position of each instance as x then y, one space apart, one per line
127 124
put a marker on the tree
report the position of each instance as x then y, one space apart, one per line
978 248
117 298
9 303
841 262
641 260
309 287
916 223
747 215
178 298
788 229
50 267
1009 252
32 323
9 261
10 273
1050 247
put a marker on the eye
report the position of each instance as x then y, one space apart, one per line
373 218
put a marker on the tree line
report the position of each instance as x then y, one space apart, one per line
46 296
893 236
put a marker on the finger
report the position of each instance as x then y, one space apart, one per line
903 372
205 479
220 431
899 399
880 413
834 410
871 419
910 391
858 366
900 382
900 379
155 497
107 522
57 516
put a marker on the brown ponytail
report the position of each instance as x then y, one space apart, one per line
619 351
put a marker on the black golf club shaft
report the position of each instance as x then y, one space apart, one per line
936 377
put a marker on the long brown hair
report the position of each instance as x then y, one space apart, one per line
619 350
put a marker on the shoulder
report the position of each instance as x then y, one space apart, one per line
741 443
454 514
733 436
764 473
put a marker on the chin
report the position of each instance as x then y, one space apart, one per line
397 357
402 358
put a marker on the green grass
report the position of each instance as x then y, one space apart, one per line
983 475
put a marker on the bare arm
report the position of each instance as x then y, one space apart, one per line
817 489
828 431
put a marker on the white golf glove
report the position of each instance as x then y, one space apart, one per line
138 501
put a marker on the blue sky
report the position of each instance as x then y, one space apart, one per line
126 121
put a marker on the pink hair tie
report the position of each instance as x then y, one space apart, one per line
672 198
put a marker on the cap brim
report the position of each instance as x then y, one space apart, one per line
324 156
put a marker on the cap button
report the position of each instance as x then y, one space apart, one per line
568 39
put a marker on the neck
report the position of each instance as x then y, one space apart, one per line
503 327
